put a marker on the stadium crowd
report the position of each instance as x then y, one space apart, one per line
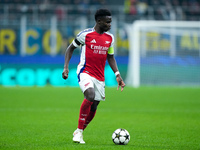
134 9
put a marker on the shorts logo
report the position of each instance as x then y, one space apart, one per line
87 84
93 41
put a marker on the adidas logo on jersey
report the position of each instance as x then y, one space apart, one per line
93 41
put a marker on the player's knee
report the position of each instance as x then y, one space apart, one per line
90 94
90 97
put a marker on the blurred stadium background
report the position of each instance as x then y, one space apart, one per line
34 35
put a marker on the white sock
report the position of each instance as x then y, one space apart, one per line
81 130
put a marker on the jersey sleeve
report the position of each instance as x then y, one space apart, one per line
111 48
76 43
80 39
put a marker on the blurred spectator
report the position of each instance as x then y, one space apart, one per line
24 8
60 12
195 7
142 7
44 6
95 2
98 3
130 7
134 9
84 7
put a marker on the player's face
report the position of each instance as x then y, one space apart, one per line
105 23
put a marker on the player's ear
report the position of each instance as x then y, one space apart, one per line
99 20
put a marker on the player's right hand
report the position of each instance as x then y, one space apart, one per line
65 73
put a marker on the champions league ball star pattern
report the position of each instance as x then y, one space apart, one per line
121 137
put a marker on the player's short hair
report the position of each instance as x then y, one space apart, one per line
102 13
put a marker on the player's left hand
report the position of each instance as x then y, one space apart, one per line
120 83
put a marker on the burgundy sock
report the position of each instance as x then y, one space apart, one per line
84 111
89 118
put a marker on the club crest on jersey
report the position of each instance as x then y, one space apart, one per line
107 42
93 41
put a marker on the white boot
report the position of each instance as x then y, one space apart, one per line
78 136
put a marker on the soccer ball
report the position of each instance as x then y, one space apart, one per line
121 136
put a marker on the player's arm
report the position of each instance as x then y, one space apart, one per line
112 62
68 54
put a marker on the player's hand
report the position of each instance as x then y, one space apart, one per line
120 83
65 73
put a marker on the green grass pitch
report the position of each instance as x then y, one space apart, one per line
44 118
